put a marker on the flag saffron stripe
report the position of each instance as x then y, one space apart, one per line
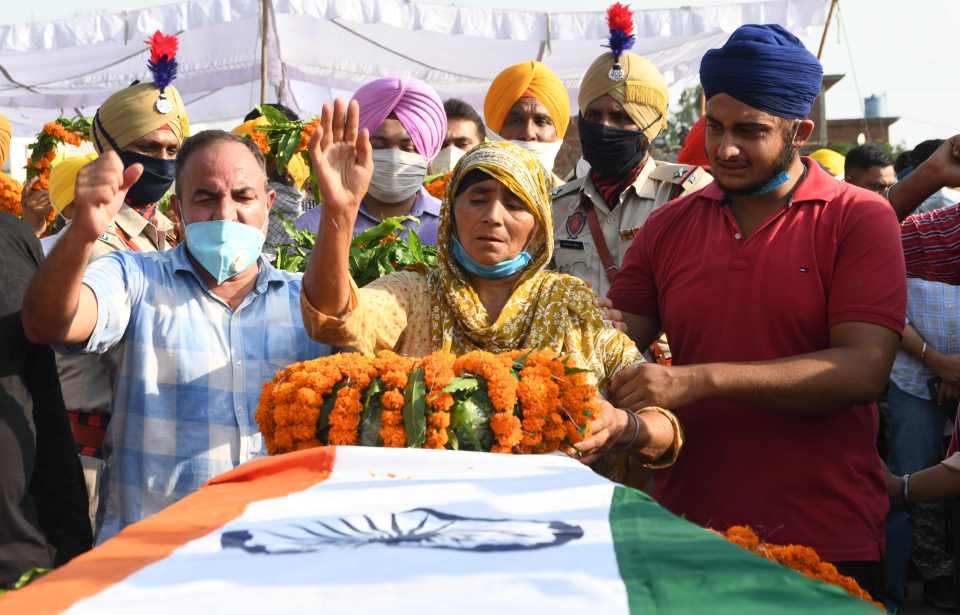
221 500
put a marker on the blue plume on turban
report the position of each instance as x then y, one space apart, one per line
765 67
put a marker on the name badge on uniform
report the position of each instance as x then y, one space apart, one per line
629 234
571 245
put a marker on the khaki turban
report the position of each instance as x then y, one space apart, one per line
63 180
5 132
642 93
131 113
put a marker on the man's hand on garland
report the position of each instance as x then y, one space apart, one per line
36 207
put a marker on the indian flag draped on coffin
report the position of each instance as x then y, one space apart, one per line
373 530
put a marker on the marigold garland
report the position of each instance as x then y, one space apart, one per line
10 195
803 559
534 401
438 185
43 151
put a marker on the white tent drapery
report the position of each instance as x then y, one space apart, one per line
321 48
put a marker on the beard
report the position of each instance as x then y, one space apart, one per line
780 165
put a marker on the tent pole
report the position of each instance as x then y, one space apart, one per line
826 27
264 28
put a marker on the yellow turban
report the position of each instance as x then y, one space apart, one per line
830 160
63 180
298 168
642 93
5 132
132 112
530 78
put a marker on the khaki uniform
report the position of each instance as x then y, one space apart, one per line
574 250
87 379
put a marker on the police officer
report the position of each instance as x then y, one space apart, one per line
623 106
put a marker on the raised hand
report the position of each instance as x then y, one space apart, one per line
101 189
342 159
945 161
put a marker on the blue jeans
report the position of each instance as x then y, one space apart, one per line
914 441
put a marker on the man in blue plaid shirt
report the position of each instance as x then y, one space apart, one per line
201 327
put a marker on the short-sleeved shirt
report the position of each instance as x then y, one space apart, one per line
830 256
189 377
931 245
574 250
933 309
87 380
425 208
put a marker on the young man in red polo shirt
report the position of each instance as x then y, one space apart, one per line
783 294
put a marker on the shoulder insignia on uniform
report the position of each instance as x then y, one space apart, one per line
570 187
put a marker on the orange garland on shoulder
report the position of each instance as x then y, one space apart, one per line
10 195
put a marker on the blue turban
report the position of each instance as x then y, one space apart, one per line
765 67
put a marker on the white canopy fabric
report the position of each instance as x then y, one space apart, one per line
321 48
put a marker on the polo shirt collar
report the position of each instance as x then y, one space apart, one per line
817 186
424 204
267 276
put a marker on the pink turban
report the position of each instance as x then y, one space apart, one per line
416 105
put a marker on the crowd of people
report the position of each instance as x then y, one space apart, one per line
136 345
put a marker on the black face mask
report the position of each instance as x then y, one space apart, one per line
158 173
158 176
611 151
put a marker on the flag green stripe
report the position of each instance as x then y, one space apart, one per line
670 565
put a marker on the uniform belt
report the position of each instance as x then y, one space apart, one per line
609 265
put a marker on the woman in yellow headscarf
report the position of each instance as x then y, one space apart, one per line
528 105
490 291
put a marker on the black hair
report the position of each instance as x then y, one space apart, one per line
923 151
457 109
207 138
902 162
866 156
287 111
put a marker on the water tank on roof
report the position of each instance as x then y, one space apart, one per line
875 106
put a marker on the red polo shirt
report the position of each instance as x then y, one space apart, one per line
833 255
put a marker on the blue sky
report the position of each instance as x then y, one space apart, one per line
901 49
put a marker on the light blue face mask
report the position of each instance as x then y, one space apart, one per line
501 270
223 247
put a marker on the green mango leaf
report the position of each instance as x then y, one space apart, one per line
415 409
452 441
415 246
575 370
285 148
273 116
463 384
370 419
375 234
323 421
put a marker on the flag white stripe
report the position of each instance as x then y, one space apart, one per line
476 501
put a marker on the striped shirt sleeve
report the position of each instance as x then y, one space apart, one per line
931 245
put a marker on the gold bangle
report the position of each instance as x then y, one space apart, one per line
674 451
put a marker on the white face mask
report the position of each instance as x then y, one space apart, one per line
446 159
397 174
546 153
